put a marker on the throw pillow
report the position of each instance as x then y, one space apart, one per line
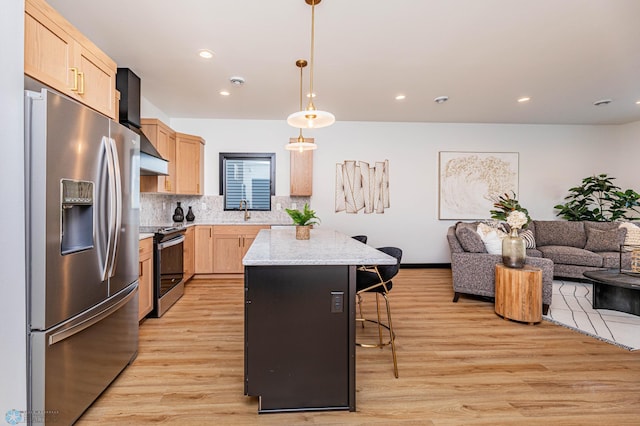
529 240
633 234
470 240
603 240
492 238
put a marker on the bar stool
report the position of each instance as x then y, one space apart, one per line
361 238
377 279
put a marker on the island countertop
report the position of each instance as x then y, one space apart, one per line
325 247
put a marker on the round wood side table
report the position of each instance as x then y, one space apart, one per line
519 293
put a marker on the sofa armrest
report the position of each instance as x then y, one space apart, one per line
474 273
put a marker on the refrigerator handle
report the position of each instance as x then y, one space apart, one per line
77 328
117 200
106 273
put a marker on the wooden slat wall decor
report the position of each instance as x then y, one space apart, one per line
459 363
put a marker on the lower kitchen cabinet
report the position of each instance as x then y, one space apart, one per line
203 249
189 253
145 279
230 244
219 249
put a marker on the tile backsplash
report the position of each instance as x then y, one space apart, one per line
157 209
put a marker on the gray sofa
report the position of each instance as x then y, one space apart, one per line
562 249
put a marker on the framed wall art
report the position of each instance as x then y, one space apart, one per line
469 181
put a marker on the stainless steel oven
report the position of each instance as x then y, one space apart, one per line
168 268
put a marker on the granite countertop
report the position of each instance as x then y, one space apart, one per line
325 247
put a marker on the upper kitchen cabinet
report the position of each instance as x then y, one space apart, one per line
163 139
58 55
189 164
301 173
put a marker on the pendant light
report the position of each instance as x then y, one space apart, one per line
301 143
311 118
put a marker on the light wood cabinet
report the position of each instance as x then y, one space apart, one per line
230 244
189 253
189 164
301 173
163 139
204 249
58 55
145 278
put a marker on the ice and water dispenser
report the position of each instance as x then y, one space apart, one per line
77 215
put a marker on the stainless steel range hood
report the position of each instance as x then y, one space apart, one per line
151 162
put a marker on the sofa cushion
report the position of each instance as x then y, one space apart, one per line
469 238
633 233
571 256
560 233
534 253
492 238
611 259
599 240
529 240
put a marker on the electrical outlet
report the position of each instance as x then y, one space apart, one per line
278 206
164 205
294 206
204 206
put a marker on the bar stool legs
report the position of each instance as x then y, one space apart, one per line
381 325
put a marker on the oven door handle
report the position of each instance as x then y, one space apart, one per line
171 242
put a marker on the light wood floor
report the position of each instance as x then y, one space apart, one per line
459 364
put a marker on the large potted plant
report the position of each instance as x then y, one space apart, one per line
303 220
599 200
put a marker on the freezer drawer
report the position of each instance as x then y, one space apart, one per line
73 363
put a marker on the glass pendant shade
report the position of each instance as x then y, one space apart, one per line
301 144
311 119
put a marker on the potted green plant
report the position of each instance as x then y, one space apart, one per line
303 220
599 200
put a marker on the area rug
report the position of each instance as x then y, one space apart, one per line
571 307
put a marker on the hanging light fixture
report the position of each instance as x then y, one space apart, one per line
301 143
311 118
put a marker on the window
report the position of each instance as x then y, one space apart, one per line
247 176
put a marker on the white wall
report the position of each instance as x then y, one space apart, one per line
12 262
552 159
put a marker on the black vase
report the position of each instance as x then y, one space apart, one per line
178 214
190 216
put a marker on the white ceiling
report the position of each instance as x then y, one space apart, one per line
483 54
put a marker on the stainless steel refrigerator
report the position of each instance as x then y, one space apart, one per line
82 179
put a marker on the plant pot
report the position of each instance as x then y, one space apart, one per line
303 232
514 252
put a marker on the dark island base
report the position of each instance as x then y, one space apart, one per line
299 337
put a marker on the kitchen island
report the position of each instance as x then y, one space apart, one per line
300 319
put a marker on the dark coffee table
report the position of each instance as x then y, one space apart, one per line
616 291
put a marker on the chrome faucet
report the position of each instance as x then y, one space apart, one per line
247 216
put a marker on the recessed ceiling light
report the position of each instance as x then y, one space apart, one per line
441 99
224 93
637 102
206 54
524 99
603 102
400 97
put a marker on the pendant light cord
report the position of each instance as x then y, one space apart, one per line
311 106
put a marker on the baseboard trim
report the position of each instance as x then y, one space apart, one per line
425 266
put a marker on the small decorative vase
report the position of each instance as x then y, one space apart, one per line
302 232
190 216
514 252
178 214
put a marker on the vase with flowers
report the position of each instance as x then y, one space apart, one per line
508 208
